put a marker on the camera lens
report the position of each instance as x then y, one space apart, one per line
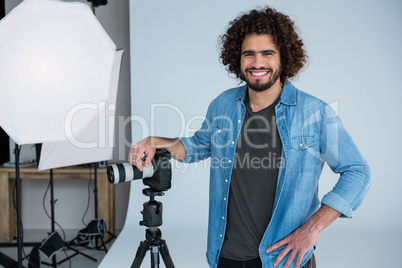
110 174
118 173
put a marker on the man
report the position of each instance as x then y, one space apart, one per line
268 143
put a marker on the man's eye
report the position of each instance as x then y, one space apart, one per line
248 54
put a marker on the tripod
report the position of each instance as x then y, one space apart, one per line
152 218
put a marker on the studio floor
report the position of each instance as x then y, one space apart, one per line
187 248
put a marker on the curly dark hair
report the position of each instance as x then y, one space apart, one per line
264 21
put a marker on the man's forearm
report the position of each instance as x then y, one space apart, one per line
322 218
174 146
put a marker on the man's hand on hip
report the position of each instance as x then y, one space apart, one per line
298 242
304 237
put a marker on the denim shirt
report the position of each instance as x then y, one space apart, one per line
311 134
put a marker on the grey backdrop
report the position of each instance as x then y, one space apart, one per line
354 52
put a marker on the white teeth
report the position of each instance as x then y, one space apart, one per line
259 74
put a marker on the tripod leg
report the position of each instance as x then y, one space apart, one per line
166 255
139 256
155 257
103 244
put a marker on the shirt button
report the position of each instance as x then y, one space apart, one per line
226 180
239 121
223 218
232 142
224 198
219 131
221 235
230 161
301 144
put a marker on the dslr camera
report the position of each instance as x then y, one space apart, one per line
157 176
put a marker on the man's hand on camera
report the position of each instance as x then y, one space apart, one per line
148 148
144 147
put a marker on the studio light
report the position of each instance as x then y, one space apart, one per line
59 73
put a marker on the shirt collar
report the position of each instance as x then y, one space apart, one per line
288 95
241 95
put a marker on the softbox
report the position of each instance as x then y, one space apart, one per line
59 72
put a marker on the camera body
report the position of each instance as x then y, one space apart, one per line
157 176
161 180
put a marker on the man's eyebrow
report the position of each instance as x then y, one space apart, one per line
271 51
268 51
248 52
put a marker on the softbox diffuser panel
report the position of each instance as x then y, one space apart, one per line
95 142
54 56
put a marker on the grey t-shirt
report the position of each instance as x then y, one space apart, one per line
253 184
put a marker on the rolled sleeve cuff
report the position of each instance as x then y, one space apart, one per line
189 149
338 203
193 154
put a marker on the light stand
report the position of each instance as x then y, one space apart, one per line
18 186
52 214
52 202
67 245
52 217
20 241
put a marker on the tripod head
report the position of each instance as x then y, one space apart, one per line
152 212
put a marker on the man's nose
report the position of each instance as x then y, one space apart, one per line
259 61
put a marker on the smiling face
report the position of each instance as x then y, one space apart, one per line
260 62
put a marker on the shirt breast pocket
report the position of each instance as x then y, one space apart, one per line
304 153
219 138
